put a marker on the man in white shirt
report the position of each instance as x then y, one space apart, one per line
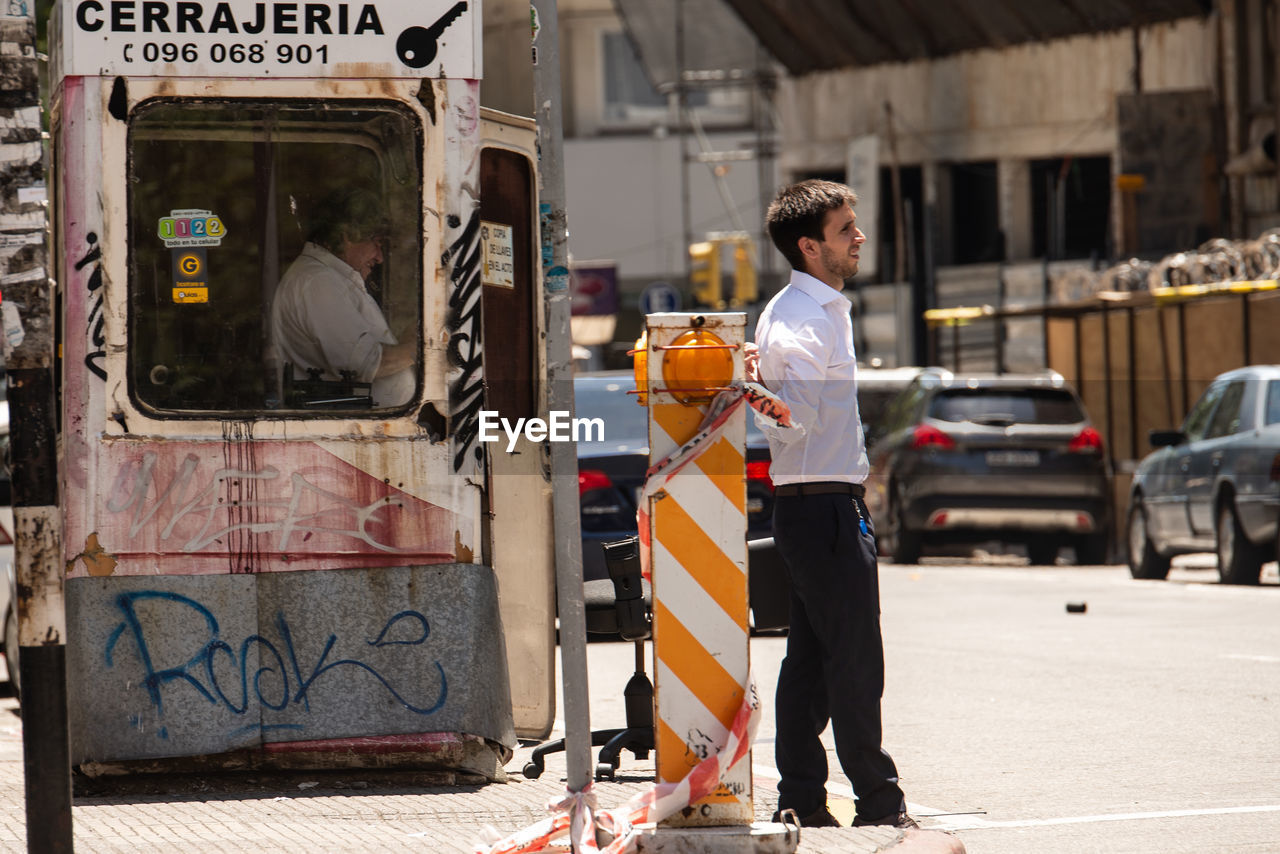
834 666
323 317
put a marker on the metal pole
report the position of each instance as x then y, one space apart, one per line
765 86
899 219
564 461
999 335
42 625
682 99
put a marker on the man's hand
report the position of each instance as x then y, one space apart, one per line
751 362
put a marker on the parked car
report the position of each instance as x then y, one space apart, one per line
611 475
1214 484
877 389
978 457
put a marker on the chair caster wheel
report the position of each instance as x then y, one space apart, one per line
533 771
604 771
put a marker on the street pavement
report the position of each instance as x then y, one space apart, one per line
374 811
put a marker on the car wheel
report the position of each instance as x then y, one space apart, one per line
1239 561
1144 561
904 544
11 648
1091 550
1042 553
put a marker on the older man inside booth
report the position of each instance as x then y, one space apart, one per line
323 318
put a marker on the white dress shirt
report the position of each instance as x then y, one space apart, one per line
805 339
323 317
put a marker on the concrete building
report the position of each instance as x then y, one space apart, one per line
1008 150
634 203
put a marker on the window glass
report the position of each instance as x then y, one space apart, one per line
1005 406
1226 418
275 256
605 397
1273 402
1198 418
903 408
873 409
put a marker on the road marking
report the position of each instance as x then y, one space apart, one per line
976 823
839 790
1265 659
953 821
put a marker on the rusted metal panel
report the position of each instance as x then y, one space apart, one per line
39 584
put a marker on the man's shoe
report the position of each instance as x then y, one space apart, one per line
821 818
897 819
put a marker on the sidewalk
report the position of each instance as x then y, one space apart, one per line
353 812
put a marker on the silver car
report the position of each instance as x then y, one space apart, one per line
1214 484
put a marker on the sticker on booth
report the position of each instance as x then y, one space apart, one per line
190 295
499 255
191 227
190 275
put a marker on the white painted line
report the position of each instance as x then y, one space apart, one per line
977 823
840 790
1265 659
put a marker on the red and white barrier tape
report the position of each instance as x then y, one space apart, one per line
576 812
574 819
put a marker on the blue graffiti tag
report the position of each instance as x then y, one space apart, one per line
279 682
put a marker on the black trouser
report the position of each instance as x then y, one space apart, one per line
834 667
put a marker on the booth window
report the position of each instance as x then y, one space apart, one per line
235 205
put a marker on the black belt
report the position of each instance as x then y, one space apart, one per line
821 487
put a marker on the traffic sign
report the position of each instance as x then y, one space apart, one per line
659 297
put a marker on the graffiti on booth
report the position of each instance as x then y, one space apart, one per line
281 507
466 378
254 676
96 353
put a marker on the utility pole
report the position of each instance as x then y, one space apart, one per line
682 101
26 307
899 220
564 461
766 150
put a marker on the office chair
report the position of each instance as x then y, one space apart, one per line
618 605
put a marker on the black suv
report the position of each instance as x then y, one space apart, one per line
980 457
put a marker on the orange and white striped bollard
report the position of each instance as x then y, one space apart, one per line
699 560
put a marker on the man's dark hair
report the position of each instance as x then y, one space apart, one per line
800 210
354 215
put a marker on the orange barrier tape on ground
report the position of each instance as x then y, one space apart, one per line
576 813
